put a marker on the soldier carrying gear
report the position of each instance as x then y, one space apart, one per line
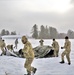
55 46
41 42
29 55
67 47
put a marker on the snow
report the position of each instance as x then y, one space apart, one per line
10 65
11 36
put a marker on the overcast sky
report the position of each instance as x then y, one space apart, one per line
21 15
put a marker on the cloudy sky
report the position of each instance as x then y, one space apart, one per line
21 15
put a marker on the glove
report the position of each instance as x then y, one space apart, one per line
20 51
61 47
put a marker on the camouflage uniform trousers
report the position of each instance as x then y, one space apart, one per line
67 53
56 53
3 51
28 63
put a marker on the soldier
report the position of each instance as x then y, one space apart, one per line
10 47
55 46
41 42
29 55
16 42
2 46
67 47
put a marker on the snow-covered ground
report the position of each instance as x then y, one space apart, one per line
10 65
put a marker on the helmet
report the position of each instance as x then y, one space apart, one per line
66 37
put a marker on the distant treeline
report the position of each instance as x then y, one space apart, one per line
6 32
49 33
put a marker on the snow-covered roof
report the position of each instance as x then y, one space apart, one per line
11 36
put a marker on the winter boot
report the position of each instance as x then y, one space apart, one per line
62 62
27 74
35 69
69 63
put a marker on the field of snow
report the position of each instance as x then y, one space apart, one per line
10 65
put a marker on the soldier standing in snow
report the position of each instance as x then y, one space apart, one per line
67 47
16 42
29 55
55 46
2 46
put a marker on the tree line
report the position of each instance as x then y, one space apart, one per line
49 33
6 32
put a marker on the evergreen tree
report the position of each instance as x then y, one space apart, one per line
47 33
42 32
7 32
13 33
53 32
35 32
70 33
3 32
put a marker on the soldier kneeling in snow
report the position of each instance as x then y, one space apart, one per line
41 42
10 47
10 51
